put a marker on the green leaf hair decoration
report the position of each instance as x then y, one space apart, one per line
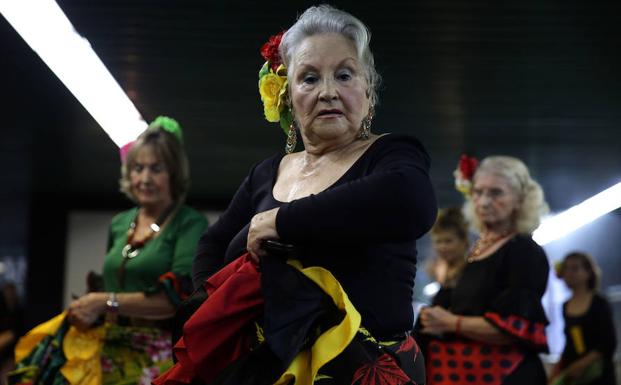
170 125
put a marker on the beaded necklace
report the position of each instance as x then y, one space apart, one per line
133 248
484 243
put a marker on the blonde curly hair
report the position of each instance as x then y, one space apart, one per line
532 205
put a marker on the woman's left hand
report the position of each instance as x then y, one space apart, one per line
84 311
262 227
437 320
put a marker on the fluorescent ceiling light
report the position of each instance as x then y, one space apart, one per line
557 226
46 29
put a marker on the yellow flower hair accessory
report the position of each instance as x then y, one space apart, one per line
273 85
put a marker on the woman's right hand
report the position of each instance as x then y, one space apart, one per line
436 320
262 227
86 310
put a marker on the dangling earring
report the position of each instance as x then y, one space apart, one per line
365 126
292 138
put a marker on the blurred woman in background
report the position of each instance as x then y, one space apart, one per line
590 338
449 239
491 328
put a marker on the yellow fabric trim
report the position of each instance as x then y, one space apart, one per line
333 341
27 343
82 350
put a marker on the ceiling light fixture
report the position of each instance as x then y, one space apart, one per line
559 225
46 29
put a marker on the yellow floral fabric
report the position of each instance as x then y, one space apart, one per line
27 343
81 350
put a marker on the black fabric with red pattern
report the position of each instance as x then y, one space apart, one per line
532 333
470 362
367 362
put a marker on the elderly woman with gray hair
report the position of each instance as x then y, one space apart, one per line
334 225
492 326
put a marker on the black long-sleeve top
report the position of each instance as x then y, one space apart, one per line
363 228
595 330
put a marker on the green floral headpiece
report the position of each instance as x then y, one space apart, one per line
170 125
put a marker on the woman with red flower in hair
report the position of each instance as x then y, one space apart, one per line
332 229
491 328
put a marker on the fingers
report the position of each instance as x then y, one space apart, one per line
70 317
79 320
424 318
430 318
81 325
430 330
262 226
84 311
431 324
428 313
254 245
437 313
254 249
253 257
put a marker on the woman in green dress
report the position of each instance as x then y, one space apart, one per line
147 268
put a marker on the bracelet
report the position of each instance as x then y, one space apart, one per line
458 325
112 304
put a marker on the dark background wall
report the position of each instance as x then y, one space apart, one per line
534 79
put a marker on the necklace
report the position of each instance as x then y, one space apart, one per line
133 248
484 243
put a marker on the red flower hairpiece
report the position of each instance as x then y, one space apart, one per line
273 85
269 51
467 166
464 173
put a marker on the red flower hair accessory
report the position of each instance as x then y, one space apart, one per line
269 51
464 173
273 85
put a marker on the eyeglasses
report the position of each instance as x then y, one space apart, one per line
492 193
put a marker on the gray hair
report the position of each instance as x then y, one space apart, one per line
532 204
327 19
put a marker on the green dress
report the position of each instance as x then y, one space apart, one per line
133 351
167 257
137 354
